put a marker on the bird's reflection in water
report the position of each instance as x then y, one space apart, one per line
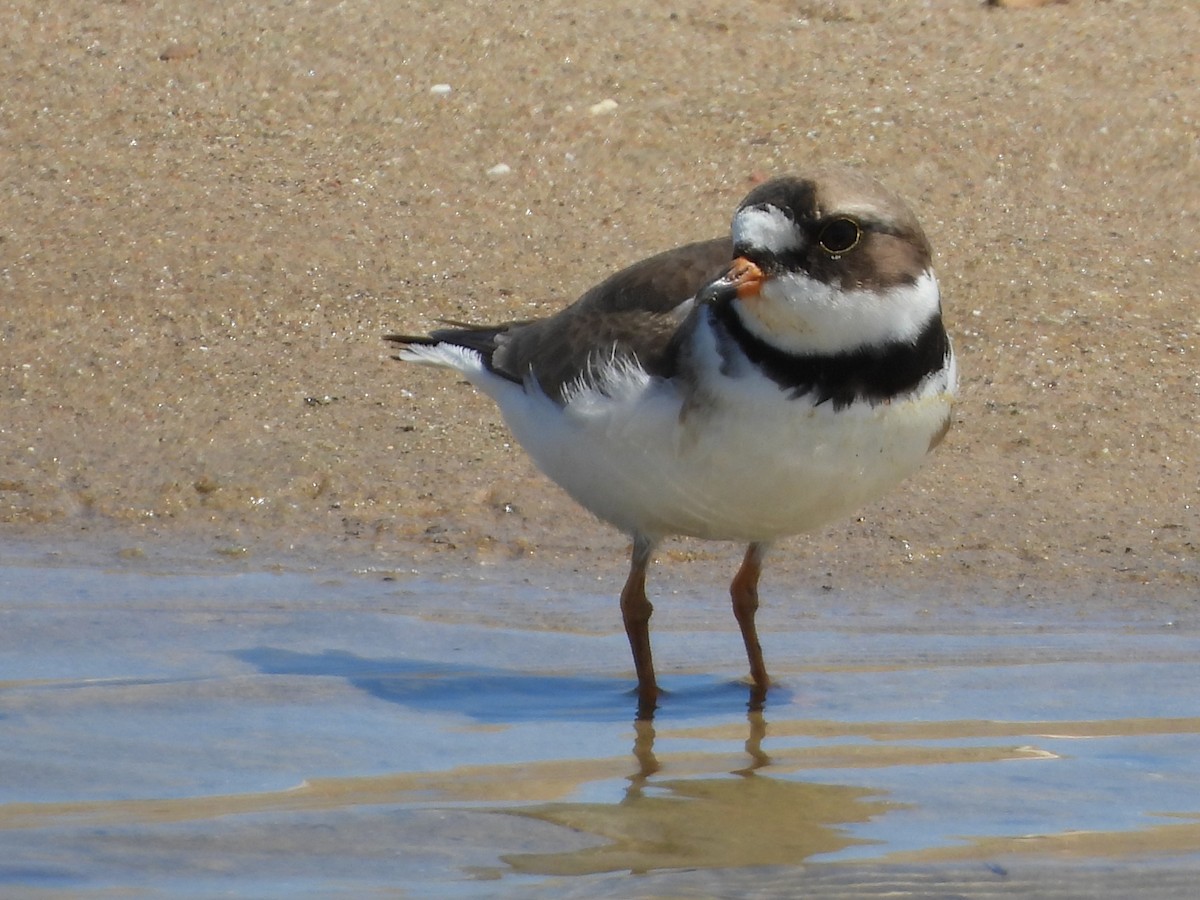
758 730
648 765
716 818
643 752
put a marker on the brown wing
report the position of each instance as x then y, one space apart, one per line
632 313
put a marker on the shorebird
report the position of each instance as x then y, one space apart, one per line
742 389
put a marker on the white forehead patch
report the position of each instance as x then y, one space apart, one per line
765 228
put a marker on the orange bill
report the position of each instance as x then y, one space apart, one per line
743 279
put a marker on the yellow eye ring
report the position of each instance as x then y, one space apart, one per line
839 236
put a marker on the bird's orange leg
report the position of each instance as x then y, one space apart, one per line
636 611
744 591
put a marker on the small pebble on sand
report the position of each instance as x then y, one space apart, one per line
605 107
1024 4
178 51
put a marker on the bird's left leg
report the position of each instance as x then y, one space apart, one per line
636 611
744 591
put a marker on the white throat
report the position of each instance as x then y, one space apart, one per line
799 314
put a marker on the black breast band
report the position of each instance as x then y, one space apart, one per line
874 374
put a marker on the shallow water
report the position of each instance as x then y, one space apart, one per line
300 734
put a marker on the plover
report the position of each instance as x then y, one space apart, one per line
739 389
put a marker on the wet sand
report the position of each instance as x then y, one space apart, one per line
280 734
212 215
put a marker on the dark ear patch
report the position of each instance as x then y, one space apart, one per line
878 260
897 259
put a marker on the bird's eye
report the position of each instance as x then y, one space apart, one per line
839 236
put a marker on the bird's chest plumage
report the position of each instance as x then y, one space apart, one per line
733 458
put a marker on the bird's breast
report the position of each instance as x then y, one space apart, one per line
743 462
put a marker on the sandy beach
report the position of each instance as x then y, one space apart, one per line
213 214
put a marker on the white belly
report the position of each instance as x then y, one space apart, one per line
751 466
